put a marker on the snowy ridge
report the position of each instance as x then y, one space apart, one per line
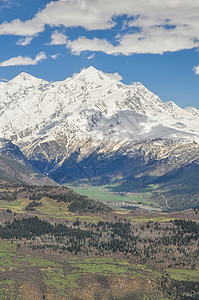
85 111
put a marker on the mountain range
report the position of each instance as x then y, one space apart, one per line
95 129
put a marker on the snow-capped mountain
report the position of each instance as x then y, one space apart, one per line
88 113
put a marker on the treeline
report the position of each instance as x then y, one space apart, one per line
102 237
144 242
33 227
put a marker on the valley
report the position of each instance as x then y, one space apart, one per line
120 200
99 191
52 248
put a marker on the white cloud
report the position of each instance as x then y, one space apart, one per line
54 56
169 25
40 56
58 38
72 13
17 27
91 56
116 76
84 44
25 41
196 70
23 60
157 41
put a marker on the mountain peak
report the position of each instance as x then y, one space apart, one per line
25 78
92 74
89 70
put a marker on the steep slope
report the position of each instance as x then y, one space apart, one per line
13 152
15 168
14 172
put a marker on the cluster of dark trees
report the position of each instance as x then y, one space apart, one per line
38 196
31 206
85 205
8 196
118 236
180 290
29 228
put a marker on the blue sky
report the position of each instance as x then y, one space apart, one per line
156 44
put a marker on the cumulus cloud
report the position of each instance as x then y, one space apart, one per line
58 38
157 41
84 44
25 41
17 27
116 76
154 26
23 60
196 70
